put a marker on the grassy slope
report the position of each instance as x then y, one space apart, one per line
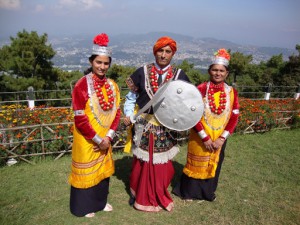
259 184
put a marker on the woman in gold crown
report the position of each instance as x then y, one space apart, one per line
208 138
96 105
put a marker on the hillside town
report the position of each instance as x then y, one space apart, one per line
72 53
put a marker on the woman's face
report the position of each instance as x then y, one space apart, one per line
100 65
164 56
218 73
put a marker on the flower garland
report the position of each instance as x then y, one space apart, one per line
211 99
154 79
98 84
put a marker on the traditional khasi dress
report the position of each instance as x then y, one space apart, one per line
201 172
91 170
153 146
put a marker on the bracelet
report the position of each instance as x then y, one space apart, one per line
97 139
205 139
222 138
202 134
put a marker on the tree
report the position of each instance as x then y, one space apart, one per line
120 74
238 64
6 62
32 54
274 68
291 70
253 71
28 56
9 83
194 75
65 79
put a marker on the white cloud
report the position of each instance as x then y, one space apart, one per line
90 4
39 8
79 4
67 3
10 4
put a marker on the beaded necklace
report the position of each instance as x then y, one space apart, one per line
98 85
211 99
154 79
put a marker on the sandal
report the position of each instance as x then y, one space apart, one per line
108 208
90 215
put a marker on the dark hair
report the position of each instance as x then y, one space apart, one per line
91 59
88 70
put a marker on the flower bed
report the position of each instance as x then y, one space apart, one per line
264 115
25 132
43 130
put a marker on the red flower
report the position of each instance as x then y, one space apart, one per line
101 39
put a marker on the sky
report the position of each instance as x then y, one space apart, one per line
267 23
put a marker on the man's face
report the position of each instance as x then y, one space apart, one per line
164 56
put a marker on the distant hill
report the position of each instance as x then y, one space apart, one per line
136 49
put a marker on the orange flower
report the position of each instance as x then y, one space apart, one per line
223 53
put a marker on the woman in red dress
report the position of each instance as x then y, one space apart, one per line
208 138
96 105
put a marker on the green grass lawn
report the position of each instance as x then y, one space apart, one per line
259 184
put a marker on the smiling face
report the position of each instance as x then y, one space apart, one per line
100 65
218 73
164 56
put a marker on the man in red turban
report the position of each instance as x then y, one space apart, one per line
164 41
154 147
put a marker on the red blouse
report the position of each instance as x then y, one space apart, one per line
79 100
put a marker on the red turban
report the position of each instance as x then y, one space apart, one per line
164 41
